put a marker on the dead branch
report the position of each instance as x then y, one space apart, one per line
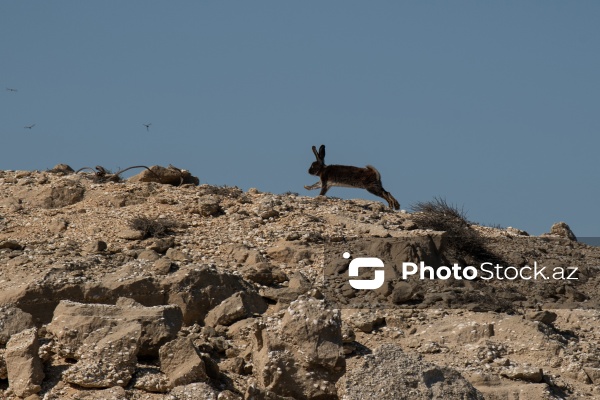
101 174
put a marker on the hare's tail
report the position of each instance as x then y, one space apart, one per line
372 168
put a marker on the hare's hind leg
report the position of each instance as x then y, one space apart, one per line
393 203
381 192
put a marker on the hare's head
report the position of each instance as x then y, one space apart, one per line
317 166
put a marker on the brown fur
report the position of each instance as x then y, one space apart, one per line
344 175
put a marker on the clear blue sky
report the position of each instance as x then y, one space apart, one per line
493 105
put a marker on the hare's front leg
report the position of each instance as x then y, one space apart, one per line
324 188
313 187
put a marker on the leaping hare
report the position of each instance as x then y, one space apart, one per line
347 176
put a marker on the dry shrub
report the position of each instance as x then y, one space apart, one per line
463 240
153 227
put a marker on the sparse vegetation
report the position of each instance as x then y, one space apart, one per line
438 215
153 227
463 240
495 226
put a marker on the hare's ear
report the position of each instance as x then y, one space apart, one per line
322 152
314 149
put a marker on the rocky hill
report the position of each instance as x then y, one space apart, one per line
156 287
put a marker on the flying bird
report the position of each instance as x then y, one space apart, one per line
147 126
29 126
11 90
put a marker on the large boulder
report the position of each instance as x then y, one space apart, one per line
239 306
107 357
197 291
74 322
24 367
563 230
301 356
181 363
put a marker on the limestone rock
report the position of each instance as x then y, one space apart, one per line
239 306
107 357
524 373
196 291
13 320
58 225
151 380
160 245
366 322
24 367
130 234
177 255
74 322
298 285
301 357
148 255
163 266
393 374
563 230
210 206
181 363
264 274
